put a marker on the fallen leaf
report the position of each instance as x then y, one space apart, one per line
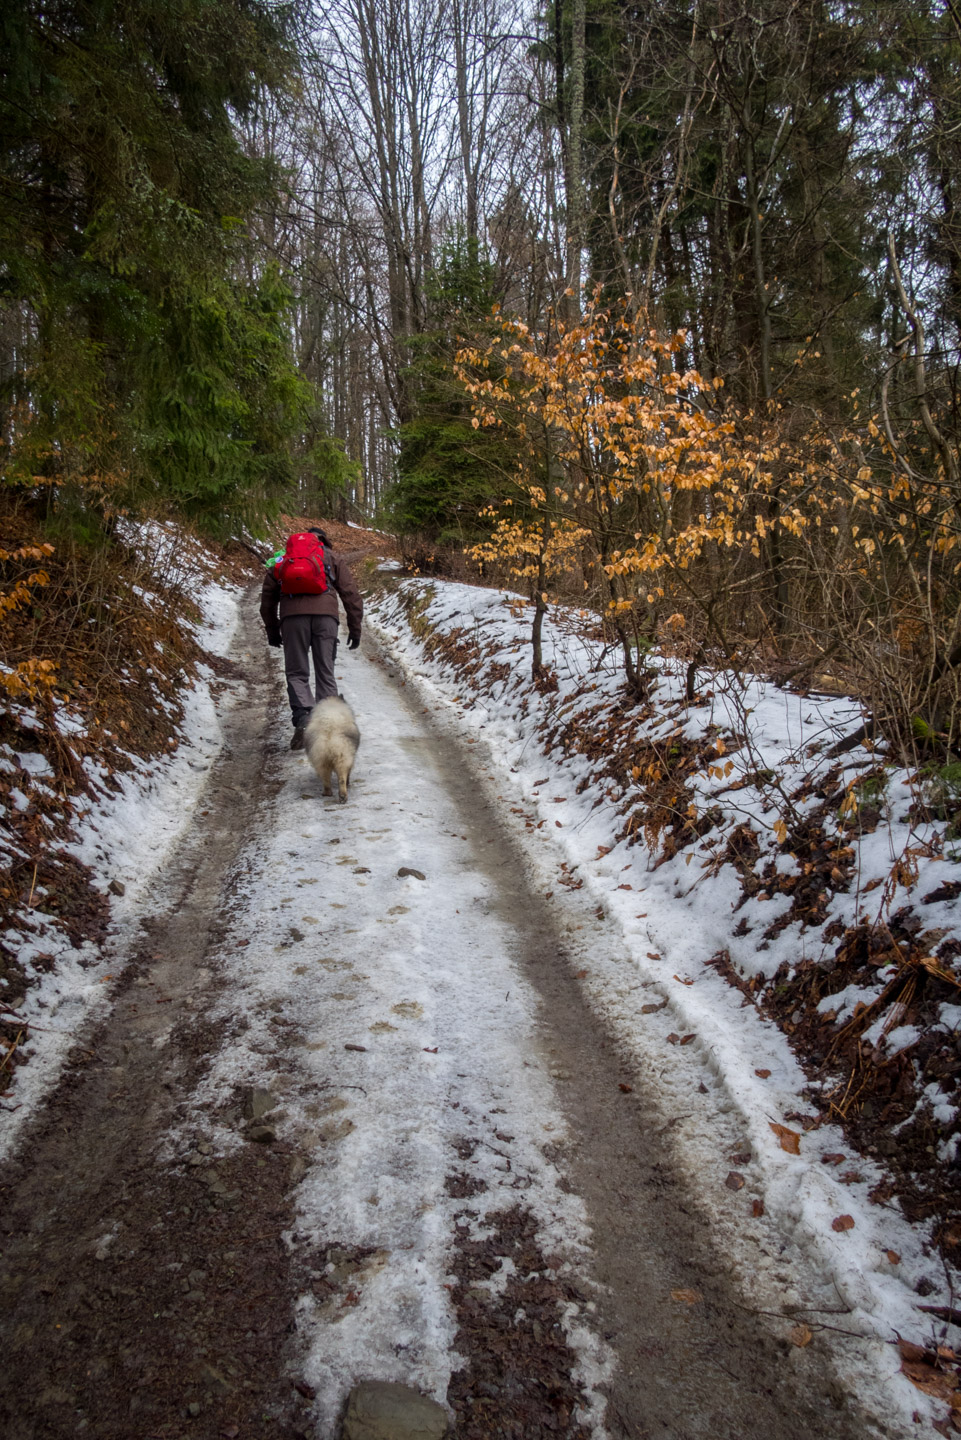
673 1039
302 1388
686 1039
559 825
757 1209
351 1298
743 1157
735 1180
650 1009
842 1222
764 1074
430 1050
653 955
628 1089
893 1256
833 1159
942 1384
800 1336
683 982
625 887
603 850
355 1047
688 1297
788 1140
581 975
909 1351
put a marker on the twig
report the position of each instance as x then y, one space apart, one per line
10 1053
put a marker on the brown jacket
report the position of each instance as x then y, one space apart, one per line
272 600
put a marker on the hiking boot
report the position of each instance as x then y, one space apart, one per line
297 739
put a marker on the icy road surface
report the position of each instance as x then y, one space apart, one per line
329 1099
428 1025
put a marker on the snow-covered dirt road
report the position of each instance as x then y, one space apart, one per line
350 1118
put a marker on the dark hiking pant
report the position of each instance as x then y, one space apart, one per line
306 638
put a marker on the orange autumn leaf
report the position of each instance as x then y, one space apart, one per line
842 1222
942 1384
789 1140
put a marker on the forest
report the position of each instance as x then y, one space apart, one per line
604 1075
655 308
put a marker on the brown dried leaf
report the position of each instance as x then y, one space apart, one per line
682 981
842 1222
940 1383
764 1074
834 1159
909 1351
800 1336
673 1039
688 1297
757 1209
627 1089
735 1180
893 1256
788 1140
686 1039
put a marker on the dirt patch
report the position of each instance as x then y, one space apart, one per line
517 1382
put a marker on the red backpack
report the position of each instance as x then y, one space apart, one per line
301 569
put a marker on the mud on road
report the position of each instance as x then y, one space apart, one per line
156 1287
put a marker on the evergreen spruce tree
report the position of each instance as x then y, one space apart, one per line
448 471
143 350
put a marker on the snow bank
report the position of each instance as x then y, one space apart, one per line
125 837
689 1029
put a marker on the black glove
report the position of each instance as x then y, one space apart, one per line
353 641
275 644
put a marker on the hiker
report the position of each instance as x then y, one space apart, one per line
303 582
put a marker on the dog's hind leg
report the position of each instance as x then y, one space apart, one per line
343 780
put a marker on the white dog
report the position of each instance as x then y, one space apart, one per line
331 742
